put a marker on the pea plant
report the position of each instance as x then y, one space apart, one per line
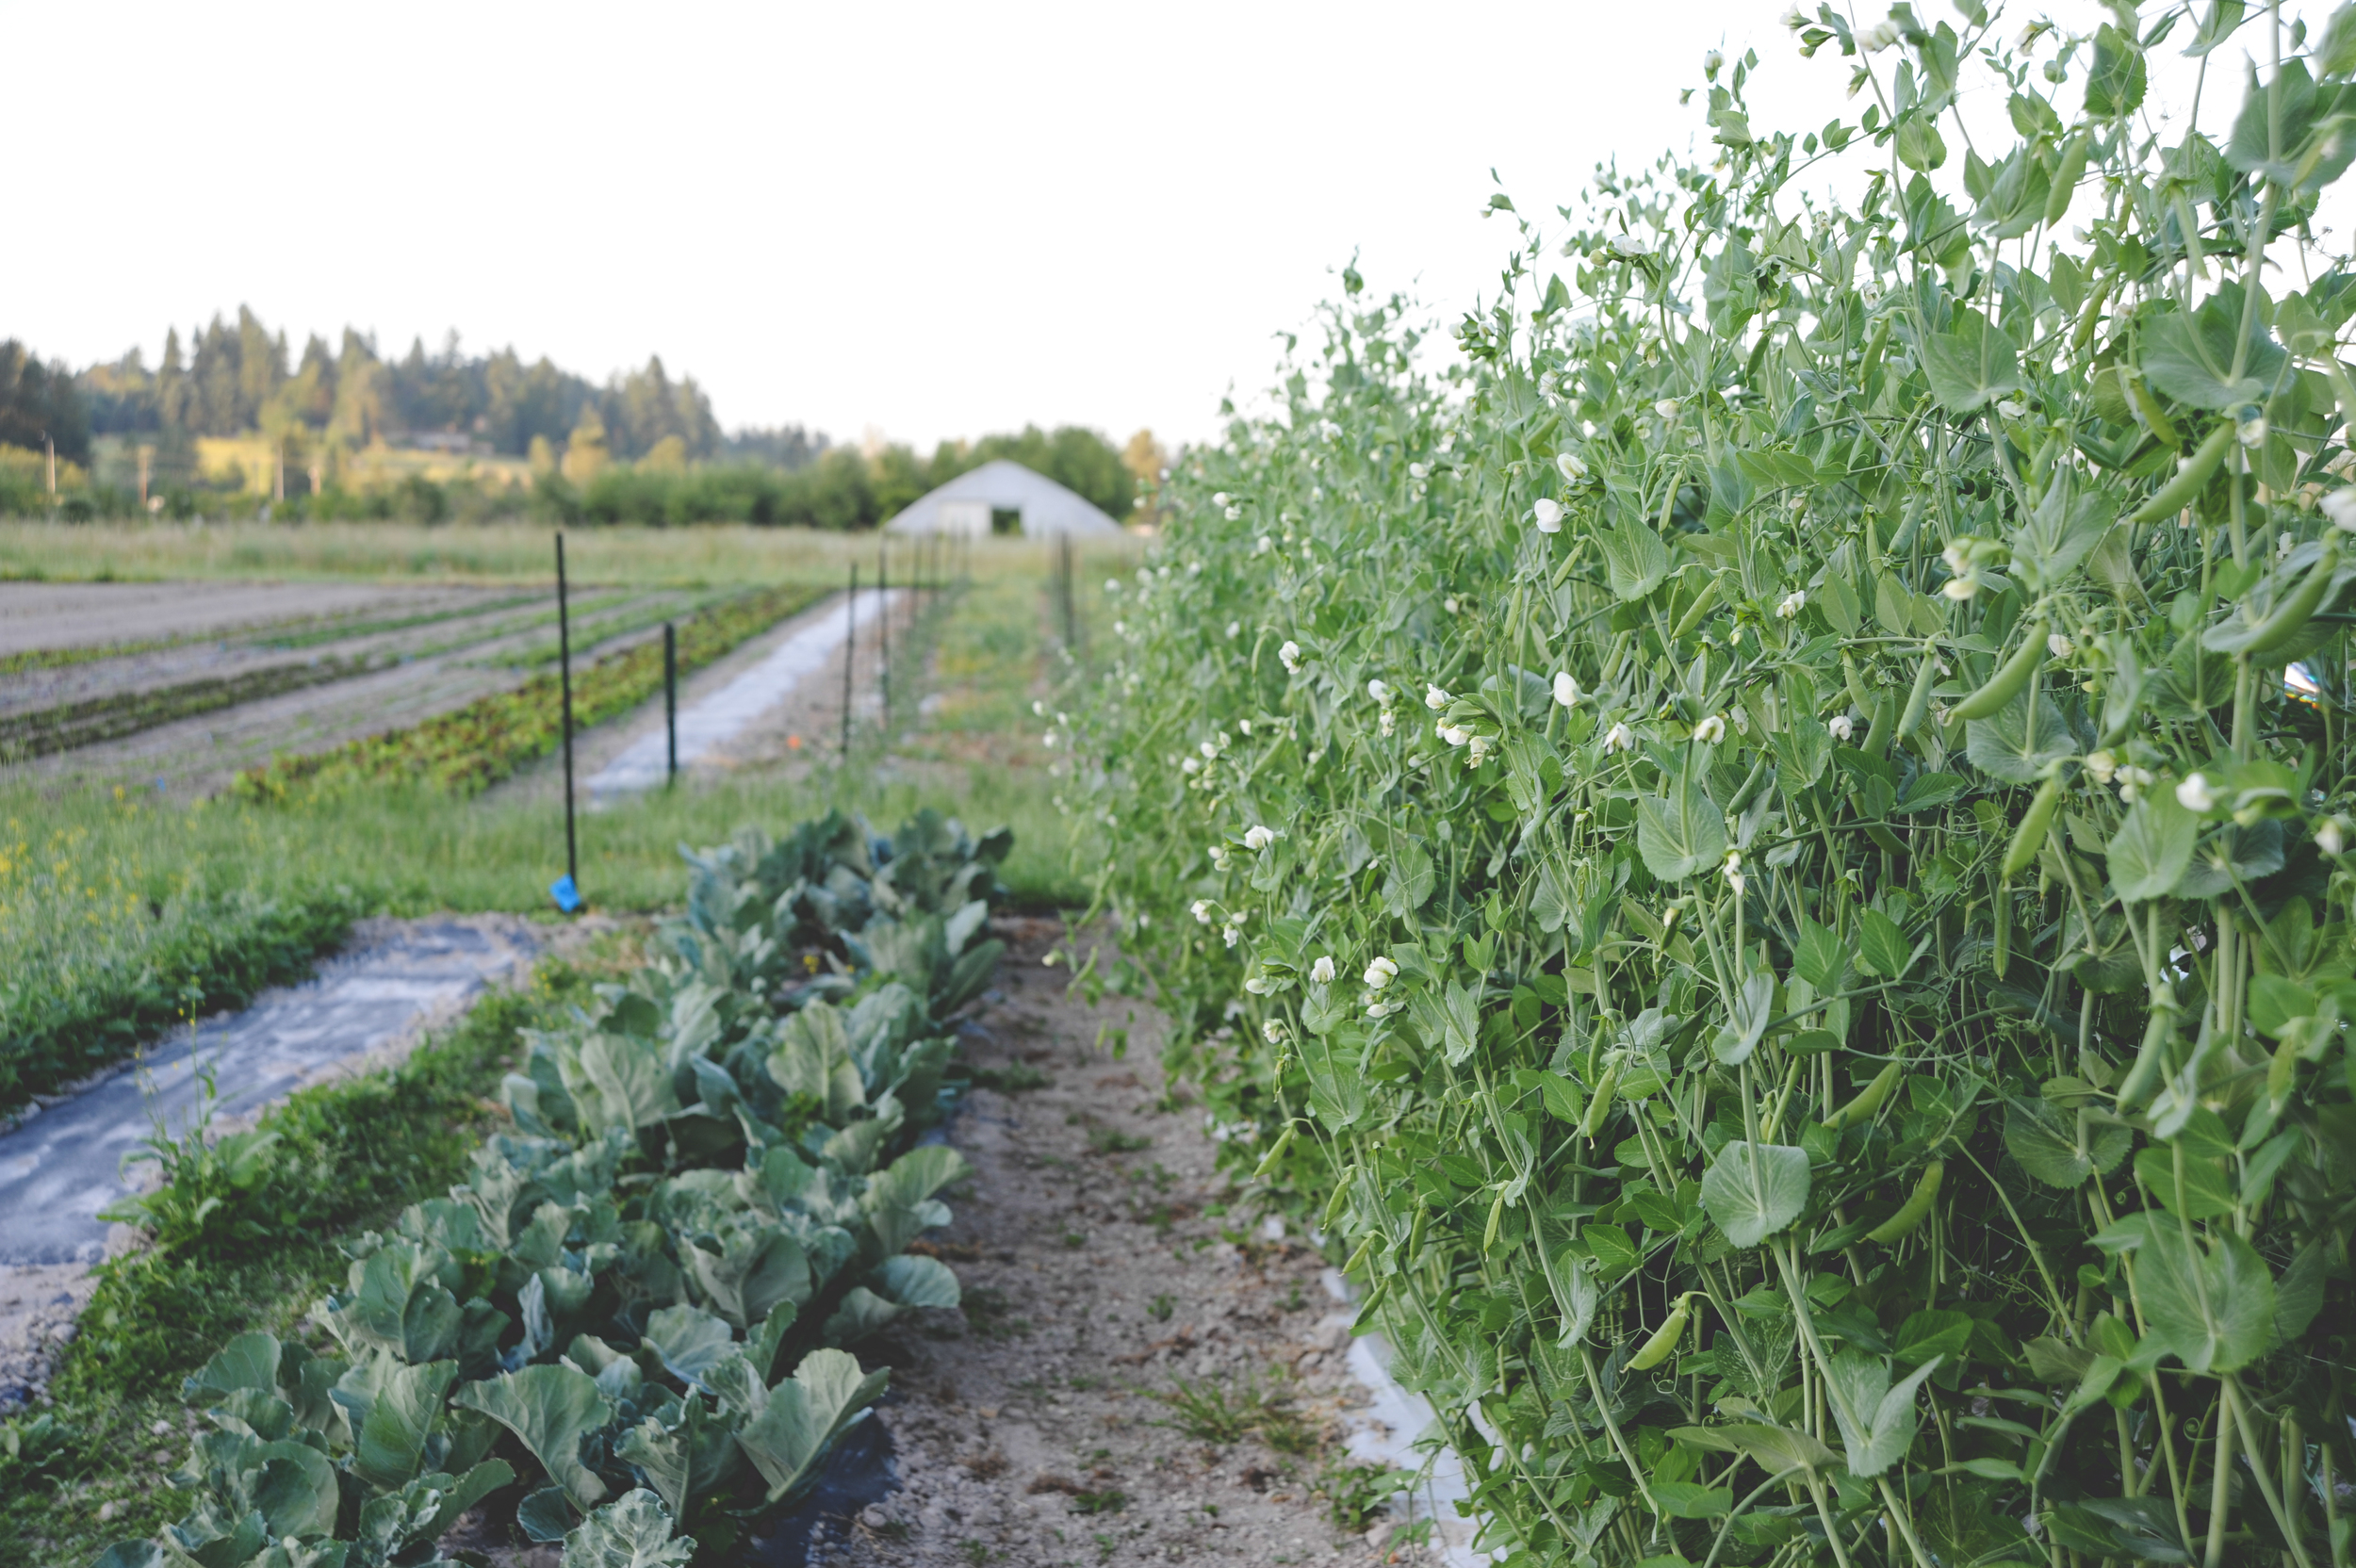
1758 839
631 1322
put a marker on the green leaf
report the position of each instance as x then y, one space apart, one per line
2213 1309
2188 359
1876 1421
1973 364
899 1201
1820 958
752 1274
1683 836
1409 885
1692 1500
920 1282
1753 1190
1752 1010
2003 747
1635 560
2045 1140
691 1342
2067 525
632 1531
1803 751
550 1409
2203 1193
1614 1254
805 1415
297 1492
2152 848
248 1361
2114 86
1920 145
392 1439
633 1088
1882 945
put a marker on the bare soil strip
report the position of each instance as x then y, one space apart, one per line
1132 1379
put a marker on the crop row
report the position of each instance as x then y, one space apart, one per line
40 732
1764 845
630 1323
472 747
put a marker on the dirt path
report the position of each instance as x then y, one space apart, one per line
1102 1280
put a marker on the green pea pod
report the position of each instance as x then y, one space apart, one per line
1601 1106
1858 694
1916 1208
2151 1060
2070 166
1496 1220
1664 1339
2004 931
1358 1259
1276 1150
1868 1100
2030 836
1885 712
1919 700
1694 612
2191 475
1334 1205
2010 676
2139 397
1415 1231
2288 618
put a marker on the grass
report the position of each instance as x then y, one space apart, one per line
732 555
1224 1410
351 1155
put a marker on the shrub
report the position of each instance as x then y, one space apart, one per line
1777 825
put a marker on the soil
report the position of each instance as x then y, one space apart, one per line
93 615
1037 1426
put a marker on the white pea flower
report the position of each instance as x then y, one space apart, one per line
1794 19
1548 512
1266 543
1732 870
1219 498
2194 794
1191 765
1711 730
2340 506
2251 432
2103 764
1449 604
1435 699
1629 245
1235 630
1232 934
1379 690
2012 408
2059 645
1666 408
1290 656
1331 430
1218 855
1121 628
1478 749
1958 560
1452 735
2132 781
1257 837
1569 467
1322 971
1711 62
1048 739
1040 709
1791 604
1566 691
1879 38
1112 585
1236 917
2285 543
1379 974
1842 727
1416 470
1619 737
1209 750
1390 722
1201 908
1273 1030
1258 986
1961 586
2330 836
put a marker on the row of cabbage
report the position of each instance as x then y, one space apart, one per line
628 1330
1762 845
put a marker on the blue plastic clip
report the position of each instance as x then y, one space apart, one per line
567 896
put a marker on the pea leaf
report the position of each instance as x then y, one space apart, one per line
1876 1421
1635 560
1971 366
2005 747
2212 1308
2189 360
1882 946
1681 836
1753 1190
2152 847
2037 1133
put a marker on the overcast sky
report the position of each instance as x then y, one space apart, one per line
927 220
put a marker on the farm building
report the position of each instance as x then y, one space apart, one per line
1002 497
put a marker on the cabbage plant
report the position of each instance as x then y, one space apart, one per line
1758 833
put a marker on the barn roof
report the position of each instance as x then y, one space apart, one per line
1005 485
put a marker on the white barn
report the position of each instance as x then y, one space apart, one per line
966 505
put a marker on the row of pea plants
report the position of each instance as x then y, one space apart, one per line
470 748
627 1329
1759 836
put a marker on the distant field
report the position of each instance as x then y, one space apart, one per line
713 555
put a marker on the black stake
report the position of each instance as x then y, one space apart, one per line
850 656
564 677
670 696
883 619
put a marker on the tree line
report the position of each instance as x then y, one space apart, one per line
644 447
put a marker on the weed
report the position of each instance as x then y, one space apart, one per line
1110 1500
1075 1239
1164 1304
1111 1140
1214 1412
1355 1491
985 1314
1014 1078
